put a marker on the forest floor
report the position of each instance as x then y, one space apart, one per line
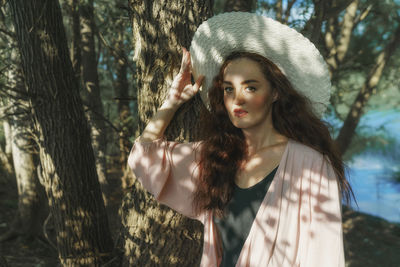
369 240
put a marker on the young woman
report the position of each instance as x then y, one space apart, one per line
266 180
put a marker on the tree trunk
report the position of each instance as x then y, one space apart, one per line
338 50
31 209
66 155
7 135
157 235
31 202
323 10
76 57
279 10
5 104
240 5
122 93
356 111
91 86
6 154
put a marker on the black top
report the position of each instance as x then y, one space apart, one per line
241 211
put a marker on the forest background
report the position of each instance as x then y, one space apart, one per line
79 79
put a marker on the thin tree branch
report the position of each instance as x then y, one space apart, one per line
288 9
101 116
114 53
8 33
45 231
363 14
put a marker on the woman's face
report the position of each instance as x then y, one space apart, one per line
248 94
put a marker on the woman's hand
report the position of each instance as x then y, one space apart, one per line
182 88
181 91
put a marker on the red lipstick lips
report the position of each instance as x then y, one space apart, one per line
240 112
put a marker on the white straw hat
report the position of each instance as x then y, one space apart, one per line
294 54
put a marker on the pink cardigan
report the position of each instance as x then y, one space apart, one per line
299 222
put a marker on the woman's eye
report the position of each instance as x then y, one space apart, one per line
228 89
251 89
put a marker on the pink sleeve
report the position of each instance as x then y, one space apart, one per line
323 242
168 170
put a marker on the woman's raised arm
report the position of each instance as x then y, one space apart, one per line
181 91
168 169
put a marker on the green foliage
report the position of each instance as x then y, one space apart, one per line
218 6
300 13
396 176
371 140
368 39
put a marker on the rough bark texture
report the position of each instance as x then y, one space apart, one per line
66 155
356 111
154 234
7 135
31 202
91 86
239 5
6 155
122 92
160 29
76 57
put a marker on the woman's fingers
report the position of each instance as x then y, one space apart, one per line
183 61
198 83
185 64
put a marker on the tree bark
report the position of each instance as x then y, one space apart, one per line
92 91
323 11
122 92
240 5
5 154
31 202
155 234
31 209
7 135
76 57
5 104
66 155
356 111
279 10
338 49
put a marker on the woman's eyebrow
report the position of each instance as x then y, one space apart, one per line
244 82
249 81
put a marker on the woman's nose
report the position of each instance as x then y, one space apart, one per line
239 97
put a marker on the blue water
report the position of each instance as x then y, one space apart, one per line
376 194
370 175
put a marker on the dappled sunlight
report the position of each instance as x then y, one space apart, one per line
90 86
81 244
143 223
167 170
62 234
300 210
282 49
80 212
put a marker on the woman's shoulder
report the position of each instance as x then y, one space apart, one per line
303 149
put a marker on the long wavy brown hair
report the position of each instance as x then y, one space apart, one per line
224 147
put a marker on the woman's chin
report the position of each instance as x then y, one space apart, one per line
240 125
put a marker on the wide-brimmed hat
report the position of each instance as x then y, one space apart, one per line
298 58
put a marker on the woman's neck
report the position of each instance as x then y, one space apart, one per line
259 138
